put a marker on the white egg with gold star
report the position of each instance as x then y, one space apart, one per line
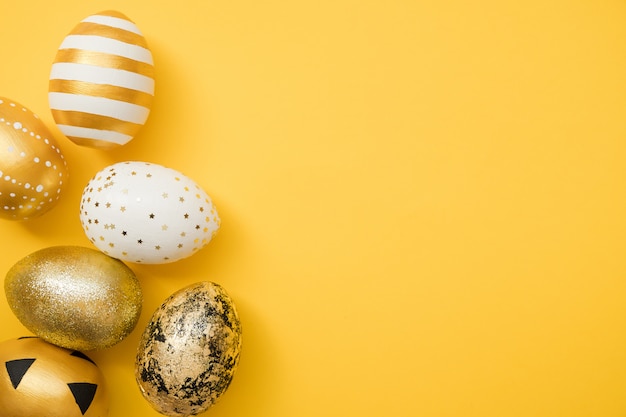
143 212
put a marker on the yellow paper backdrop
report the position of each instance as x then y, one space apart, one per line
423 202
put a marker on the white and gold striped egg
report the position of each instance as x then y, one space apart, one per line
102 81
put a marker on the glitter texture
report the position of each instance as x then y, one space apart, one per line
74 297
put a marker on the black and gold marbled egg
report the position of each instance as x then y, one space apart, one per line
189 351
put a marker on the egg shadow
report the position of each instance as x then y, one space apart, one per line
257 374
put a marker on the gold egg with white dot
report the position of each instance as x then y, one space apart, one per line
33 171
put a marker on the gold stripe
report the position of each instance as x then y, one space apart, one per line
101 90
94 143
94 121
100 59
88 28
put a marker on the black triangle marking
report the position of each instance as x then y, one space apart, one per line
81 355
83 394
17 369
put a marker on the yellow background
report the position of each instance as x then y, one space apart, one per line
423 202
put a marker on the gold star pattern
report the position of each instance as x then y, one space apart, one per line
140 193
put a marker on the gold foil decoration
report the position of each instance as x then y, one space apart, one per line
189 351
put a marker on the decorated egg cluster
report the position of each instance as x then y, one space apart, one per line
73 298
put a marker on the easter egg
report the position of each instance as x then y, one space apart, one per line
41 379
74 297
33 171
147 213
102 81
189 351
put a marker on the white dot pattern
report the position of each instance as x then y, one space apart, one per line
25 141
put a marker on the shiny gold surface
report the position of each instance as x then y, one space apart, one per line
48 385
33 171
189 352
74 297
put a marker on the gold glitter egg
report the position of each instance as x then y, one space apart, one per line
74 297
41 379
102 81
189 351
33 171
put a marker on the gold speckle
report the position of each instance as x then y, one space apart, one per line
164 227
123 209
